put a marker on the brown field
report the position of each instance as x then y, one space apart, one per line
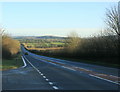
52 48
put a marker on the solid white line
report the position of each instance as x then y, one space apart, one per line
33 66
104 79
50 83
52 63
68 68
115 76
55 87
40 73
24 62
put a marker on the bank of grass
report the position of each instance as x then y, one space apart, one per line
11 63
91 61
98 61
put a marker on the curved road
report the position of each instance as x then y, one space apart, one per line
45 73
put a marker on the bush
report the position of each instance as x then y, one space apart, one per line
10 47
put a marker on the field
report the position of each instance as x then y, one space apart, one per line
44 45
11 63
101 50
53 48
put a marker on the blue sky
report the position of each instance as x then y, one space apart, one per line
53 18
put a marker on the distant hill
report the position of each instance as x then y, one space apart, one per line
50 37
38 37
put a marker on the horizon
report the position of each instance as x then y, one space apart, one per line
53 18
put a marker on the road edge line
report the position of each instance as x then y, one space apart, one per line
32 65
23 62
104 79
39 72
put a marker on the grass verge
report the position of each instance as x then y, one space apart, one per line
97 61
11 63
91 61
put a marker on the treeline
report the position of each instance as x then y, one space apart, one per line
104 48
10 47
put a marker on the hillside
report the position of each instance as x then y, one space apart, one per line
38 37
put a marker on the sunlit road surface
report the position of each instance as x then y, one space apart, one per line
45 73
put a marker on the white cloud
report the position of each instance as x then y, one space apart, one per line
83 32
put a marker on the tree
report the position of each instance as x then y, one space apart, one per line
1 32
112 20
72 42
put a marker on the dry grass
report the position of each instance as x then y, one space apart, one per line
53 48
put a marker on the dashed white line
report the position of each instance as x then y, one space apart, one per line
50 83
55 87
41 74
33 66
38 71
44 76
46 79
104 79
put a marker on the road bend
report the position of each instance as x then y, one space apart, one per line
46 73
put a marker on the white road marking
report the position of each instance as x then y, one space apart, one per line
104 79
68 68
38 71
24 62
52 63
84 69
44 76
32 65
46 79
114 76
50 83
55 87
41 73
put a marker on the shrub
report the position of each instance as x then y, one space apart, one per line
10 47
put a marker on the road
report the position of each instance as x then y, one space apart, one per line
46 73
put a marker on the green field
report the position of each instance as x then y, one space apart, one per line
11 63
45 45
57 43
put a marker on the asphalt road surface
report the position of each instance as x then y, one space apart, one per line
45 73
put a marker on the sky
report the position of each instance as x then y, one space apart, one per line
53 18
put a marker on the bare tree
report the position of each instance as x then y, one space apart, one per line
1 31
112 20
72 42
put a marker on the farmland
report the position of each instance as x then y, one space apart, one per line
42 43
